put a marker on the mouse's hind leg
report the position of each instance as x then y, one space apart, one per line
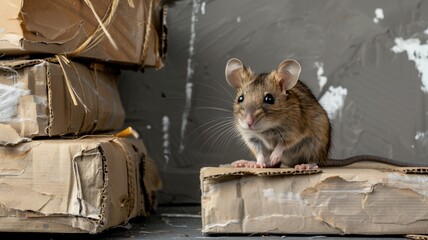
306 166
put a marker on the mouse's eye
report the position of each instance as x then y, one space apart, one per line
240 98
269 99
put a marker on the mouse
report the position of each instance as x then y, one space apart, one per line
281 121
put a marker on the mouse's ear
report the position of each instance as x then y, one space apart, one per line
234 68
288 72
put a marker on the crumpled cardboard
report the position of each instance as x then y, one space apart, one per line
48 98
352 200
71 186
130 33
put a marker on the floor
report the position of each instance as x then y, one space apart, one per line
169 222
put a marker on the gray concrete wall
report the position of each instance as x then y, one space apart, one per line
366 60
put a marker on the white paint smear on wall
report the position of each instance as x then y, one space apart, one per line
322 80
333 100
190 70
378 15
420 136
417 53
165 138
203 8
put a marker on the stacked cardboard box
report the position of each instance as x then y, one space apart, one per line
75 185
129 33
46 98
62 167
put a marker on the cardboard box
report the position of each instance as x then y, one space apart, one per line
330 201
70 27
72 186
36 99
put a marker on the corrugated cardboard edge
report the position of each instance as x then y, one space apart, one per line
143 179
417 237
142 176
218 173
388 167
410 170
208 173
149 179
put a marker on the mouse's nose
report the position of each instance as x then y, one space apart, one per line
249 119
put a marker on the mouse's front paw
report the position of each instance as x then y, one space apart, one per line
247 164
239 163
275 158
256 165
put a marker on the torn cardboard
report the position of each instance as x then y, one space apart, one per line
131 33
71 186
333 201
45 98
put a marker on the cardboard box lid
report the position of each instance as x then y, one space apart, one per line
224 172
134 32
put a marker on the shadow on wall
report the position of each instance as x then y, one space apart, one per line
366 60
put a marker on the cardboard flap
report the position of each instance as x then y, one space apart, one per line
10 136
18 64
223 172
11 35
56 29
